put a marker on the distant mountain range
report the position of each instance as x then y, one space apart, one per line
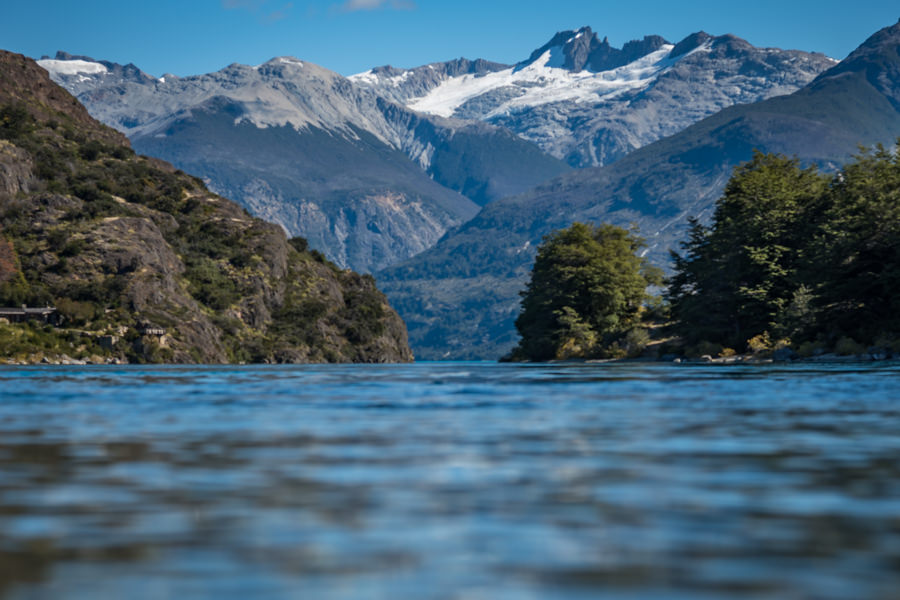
377 168
588 103
367 181
459 298
372 171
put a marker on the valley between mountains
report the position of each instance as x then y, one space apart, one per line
442 179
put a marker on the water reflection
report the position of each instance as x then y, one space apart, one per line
450 481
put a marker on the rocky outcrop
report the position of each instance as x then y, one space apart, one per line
15 169
145 264
582 50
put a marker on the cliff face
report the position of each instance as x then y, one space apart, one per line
145 264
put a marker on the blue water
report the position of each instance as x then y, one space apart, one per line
450 480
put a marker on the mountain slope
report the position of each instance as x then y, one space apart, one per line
484 264
589 103
367 181
143 263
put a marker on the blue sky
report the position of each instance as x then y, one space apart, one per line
187 37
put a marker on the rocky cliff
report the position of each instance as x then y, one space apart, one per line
143 263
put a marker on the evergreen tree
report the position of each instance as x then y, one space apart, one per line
738 276
587 286
855 258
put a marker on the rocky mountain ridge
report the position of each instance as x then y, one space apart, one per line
588 103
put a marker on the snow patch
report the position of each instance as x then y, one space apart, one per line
397 80
544 81
72 67
366 78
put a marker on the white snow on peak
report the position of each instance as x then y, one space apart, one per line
288 60
72 67
366 78
370 78
279 60
544 82
396 80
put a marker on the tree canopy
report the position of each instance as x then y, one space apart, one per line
586 290
794 254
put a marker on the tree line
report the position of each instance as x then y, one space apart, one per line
791 258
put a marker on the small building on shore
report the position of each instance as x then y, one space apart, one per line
21 314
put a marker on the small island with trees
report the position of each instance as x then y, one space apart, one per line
794 263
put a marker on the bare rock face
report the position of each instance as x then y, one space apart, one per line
129 248
15 169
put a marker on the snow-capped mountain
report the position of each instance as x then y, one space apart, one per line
367 181
588 103
371 169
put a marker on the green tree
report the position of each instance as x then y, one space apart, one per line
586 290
739 276
855 258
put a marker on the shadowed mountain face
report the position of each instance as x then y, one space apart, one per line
460 298
588 103
369 182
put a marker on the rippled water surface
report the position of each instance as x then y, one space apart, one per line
450 480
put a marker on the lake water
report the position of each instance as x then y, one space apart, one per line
450 480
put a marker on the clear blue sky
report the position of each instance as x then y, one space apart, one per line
188 37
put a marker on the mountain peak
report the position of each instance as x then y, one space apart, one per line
284 60
877 61
581 49
62 55
691 42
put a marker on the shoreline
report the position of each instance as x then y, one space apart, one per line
744 359
750 359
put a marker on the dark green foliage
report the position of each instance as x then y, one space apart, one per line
586 291
739 274
364 317
299 244
22 340
9 262
210 285
15 121
792 255
91 150
77 313
855 258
